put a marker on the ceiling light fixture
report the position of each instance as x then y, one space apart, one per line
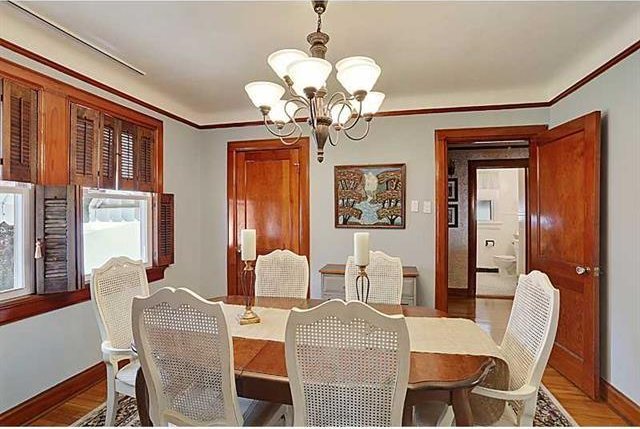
305 78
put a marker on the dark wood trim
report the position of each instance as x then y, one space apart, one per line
597 72
233 147
29 410
487 270
621 404
406 112
459 136
457 292
472 233
339 269
33 305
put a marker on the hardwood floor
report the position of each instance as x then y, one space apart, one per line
491 314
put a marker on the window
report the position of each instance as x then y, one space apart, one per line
16 240
115 223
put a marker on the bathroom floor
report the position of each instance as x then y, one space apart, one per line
493 284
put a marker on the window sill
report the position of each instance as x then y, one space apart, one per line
32 305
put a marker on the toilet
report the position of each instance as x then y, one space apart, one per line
507 263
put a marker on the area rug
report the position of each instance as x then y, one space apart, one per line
548 414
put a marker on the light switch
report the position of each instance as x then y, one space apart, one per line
414 206
426 208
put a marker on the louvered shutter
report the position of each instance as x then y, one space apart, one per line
20 132
56 270
110 132
145 159
127 148
165 224
85 137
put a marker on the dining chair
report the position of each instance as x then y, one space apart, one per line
113 287
385 277
526 346
282 273
186 354
348 365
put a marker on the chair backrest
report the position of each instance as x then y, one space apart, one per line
385 277
186 354
348 365
282 273
531 330
113 287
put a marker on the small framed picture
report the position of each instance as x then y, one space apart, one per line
452 216
452 189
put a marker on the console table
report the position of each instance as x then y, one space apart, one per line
333 283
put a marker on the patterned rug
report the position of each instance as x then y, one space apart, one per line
548 414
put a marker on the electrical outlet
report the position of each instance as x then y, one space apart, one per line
426 208
414 206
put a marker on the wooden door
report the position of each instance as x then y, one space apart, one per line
267 190
565 242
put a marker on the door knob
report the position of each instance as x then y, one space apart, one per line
580 270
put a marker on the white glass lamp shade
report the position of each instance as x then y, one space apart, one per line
264 93
371 103
346 62
358 75
340 114
309 73
278 113
280 60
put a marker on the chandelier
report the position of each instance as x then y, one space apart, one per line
305 77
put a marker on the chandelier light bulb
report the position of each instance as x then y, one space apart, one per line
278 114
280 60
309 73
371 103
264 94
358 75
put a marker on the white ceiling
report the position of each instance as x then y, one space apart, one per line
199 55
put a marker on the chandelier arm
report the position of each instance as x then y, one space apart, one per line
331 101
298 108
366 132
290 142
276 134
337 138
353 124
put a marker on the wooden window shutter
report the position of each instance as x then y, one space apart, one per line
20 132
85 137
165 229
146 159
56 229
108 141
127 149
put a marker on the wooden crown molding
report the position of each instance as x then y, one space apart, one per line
406 112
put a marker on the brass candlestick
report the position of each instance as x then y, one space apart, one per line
248 316
362 284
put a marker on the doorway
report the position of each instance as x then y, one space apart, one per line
267 190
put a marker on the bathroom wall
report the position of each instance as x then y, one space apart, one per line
459 237
501 187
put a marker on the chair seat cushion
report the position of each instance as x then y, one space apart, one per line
259 413
127 374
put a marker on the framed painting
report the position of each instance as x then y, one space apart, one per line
370 196
452 189
452 216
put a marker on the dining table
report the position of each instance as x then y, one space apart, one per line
261 372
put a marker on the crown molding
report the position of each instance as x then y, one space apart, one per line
407 112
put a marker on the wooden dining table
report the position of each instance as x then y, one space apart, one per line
261 371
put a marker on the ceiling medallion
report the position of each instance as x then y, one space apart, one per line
305 77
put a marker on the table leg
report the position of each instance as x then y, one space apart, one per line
142 400
462 407
407 416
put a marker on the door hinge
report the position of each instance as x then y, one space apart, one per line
597 272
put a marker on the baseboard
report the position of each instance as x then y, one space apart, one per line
28 411
620 403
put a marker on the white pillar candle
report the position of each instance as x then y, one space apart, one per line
361 248
248 244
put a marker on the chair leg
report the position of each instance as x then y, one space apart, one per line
528 412
112 396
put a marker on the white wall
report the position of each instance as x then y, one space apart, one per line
408 139
617 94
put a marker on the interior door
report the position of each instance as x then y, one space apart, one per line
268 191
565 240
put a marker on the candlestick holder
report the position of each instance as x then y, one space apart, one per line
362 284
248 316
